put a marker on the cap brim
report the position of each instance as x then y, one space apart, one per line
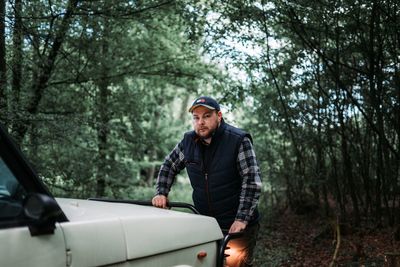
198 105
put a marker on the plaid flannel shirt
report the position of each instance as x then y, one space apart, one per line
247 167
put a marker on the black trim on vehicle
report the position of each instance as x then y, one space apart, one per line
43 211
223 245
22 170
148 203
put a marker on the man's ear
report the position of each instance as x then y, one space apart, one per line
219 114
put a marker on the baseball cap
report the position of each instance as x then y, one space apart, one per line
205 101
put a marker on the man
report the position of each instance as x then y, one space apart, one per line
223 172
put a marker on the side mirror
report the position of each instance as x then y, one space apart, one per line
42 212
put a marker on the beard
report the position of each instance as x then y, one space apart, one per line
205 133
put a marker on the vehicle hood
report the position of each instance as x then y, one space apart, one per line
116 231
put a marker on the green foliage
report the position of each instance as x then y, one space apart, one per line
104 87
112 105
318 96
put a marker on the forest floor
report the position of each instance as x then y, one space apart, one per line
290 240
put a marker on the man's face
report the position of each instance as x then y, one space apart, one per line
205 121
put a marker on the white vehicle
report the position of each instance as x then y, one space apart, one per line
37 229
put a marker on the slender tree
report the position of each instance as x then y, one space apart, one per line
17 60
46 68
3 64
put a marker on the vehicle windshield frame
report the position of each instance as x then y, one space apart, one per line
20 167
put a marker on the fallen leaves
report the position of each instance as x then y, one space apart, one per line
291 240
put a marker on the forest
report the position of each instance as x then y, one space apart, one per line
96 93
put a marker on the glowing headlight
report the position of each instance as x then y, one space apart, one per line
232 255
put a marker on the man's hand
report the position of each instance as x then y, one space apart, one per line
237 226
160 201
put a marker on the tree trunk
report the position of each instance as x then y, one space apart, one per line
335 177
387 174
348 172
375 103
365 166
3 65
184 109
152 169
16 65
103 129
102 137
320 164
45 70
397 125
